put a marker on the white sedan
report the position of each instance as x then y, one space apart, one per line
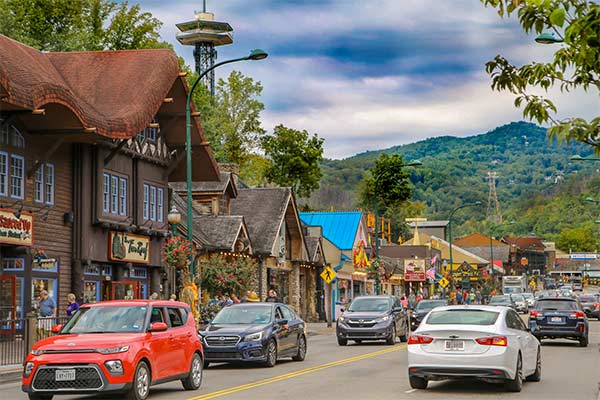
489 343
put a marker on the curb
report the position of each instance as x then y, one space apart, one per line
10 375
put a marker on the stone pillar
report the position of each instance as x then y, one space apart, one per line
262 279
311 295
155 281
295 287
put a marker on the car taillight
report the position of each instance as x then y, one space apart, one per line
597 305
578 315
535 314
492 341
419 339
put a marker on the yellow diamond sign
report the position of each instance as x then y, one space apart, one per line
444 282
328 274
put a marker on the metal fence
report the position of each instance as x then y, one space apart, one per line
17 336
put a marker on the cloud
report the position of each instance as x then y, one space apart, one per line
373 74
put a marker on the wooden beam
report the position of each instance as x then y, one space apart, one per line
47 156
39 111
90 129
154 125
183 73
168 100
195 114
114 151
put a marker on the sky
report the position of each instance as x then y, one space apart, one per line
369 75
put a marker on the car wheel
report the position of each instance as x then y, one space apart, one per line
301 355
194 378
392 338
537 375
271 354
141 383
515 385
342 342
583 342
205 364
417 382
34 396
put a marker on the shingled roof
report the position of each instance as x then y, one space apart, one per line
225 182
263 210
222 231
181 206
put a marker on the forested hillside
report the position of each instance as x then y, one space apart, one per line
538 186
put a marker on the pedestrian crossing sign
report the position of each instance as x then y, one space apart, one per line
328 274
444 282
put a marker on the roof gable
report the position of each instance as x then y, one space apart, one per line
339 227
476 240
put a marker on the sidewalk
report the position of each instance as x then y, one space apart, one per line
319 328
10 373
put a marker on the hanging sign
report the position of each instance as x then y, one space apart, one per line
126 247
359 256
17 231
414 270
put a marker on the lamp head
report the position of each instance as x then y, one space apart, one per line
548 38
414 163
174 216
258 54
576 157
478 203
591 200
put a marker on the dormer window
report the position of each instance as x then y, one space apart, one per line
149 133
10 136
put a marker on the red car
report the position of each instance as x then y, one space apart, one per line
118 347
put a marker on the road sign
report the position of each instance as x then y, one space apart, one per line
532 283
328 274
444 282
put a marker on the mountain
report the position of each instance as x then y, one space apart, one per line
528 165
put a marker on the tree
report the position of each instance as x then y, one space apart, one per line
577 239
295 159
576 63
390 183
68 25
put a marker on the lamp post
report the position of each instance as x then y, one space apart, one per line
548 38
174 218
412 163
477 203
254 55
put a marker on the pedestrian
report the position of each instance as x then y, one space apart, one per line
472 297
478 297
47 308
252 297
173 297
235 299
465 295
411 300
73 304
459 297
227 300
245 297
154 296
404 302
272 297
419 297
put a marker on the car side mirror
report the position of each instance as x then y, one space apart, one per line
282 321
342 309
158 327
57 328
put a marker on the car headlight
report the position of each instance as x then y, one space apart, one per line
342 318
115 367
37 352
113 350
382 319
253 337
28 369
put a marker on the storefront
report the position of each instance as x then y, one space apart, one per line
278 279
359 282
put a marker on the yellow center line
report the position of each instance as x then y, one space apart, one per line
294 374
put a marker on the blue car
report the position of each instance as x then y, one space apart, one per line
254 332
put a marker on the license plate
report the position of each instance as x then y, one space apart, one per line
455 345
556 320
62 375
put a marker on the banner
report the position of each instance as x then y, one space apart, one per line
17 231
414 270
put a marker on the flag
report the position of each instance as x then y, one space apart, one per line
431 273
433 260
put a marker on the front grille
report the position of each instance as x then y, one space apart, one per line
361 323
86 378
222 341
222 355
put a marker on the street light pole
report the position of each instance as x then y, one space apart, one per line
254 55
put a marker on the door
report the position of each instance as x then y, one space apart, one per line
180 335
283 332
295 326
513 323
531 347
161 346
125 290
8 306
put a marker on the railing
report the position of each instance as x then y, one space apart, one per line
17 336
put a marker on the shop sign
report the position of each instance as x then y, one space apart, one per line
17 231
414 270
126 247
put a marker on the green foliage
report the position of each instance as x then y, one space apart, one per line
254 171
576 62
295 158
67 25
391 184
577 239
222 275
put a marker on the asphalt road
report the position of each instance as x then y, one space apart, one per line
377 371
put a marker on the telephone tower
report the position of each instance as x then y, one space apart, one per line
493 205
204 33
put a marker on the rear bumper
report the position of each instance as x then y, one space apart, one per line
571 332
440 373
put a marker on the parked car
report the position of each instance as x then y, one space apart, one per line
373 318
502 300
117 347
559 318
577 286
521 304
422 309
482 342
530 299
590 305
254 332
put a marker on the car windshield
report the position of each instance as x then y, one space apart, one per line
556 305
427 305
587 299
240 315
370 304
499 300
518 297
107 319
528 296
462 317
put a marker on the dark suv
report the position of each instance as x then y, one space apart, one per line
559 318
373 318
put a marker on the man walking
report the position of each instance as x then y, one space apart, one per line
47 307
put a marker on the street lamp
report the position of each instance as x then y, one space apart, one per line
548 38
591 200
254 55
577 157
477 203
174 218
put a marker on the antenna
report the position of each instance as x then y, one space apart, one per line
493 205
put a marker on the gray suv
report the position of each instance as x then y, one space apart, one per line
373 318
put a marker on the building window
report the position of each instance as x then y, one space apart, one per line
10 136
123 196
39 185
13 264
160 205
49 177
3 173
91 269
17 183
150 134
114 194
152 203
146 202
